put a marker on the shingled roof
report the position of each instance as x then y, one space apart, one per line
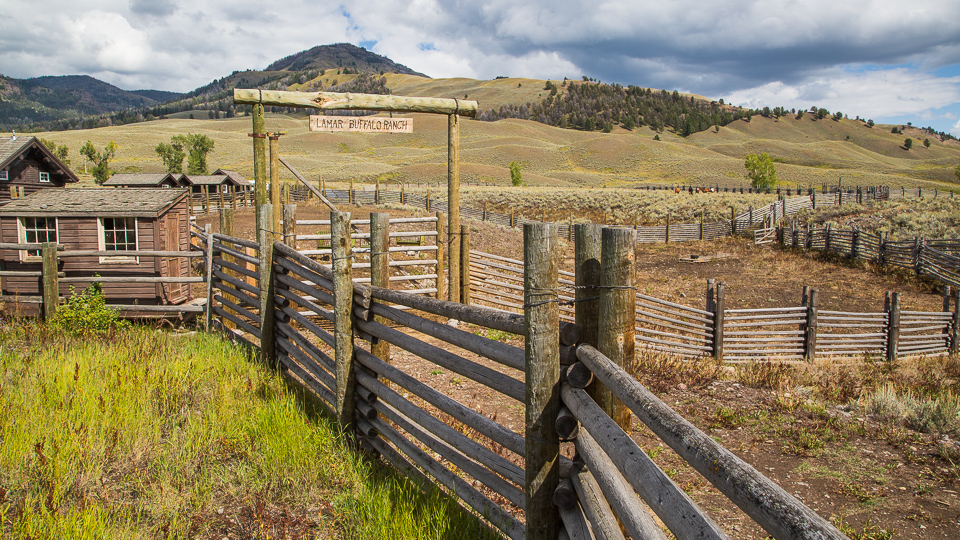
94 202
11 148
139 179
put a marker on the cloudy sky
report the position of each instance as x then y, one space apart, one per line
890 60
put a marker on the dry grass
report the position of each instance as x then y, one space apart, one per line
813 152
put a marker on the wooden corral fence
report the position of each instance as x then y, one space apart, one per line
791 333
53 284
934 259
335 335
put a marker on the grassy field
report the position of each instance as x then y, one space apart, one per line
147 434
808 151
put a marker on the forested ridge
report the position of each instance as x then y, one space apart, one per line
596 106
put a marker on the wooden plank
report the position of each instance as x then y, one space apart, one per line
327 101
778 512
674 507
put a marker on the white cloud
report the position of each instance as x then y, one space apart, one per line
871 94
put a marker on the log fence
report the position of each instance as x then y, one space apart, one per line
51 280
789 333
934 259
326 331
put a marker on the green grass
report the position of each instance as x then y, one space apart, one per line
145 434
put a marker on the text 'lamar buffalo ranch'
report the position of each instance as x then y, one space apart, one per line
361 124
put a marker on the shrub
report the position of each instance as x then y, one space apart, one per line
86 314
885 404
940 415
516 178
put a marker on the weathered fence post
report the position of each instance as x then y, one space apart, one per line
441 249
955 330
453 205
733 222
226 228
586 247
855 244
208 267
427 202
380 270
718 307
51 282
701 226
893 325
542 326
813 199
917 258
810 335
267 316
290 225
618 303
341 244
465 264
882 250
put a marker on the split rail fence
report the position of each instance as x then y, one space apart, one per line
793 333
335 336
52 283
669 232
935 259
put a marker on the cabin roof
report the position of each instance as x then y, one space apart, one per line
11 148
94 202
139 179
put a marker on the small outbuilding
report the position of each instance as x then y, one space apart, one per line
221 181
144 180
27 166
125 220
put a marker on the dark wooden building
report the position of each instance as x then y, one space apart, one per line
27 166
104 220
220 181
144 180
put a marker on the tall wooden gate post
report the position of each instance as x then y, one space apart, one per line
453 205
586 242
267 315
618 304
542 326
51 283
342 258
380 269
275 183
259 159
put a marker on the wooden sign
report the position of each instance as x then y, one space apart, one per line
361 124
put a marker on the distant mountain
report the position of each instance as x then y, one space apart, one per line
83 102
45 99
340 55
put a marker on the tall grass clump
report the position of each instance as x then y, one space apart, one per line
144 434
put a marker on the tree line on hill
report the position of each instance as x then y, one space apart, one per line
589 106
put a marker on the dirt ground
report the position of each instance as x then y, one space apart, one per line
873 480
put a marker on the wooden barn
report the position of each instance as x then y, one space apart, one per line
27 166
92 223
145 180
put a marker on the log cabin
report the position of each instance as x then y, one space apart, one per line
104 220
27 166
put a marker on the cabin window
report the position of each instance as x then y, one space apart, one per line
118 234
36 230
45 177
4 175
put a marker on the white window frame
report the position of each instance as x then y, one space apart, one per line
25 255
44 175
102 243
4 176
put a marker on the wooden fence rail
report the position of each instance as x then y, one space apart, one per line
791 333
330 332
934 259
